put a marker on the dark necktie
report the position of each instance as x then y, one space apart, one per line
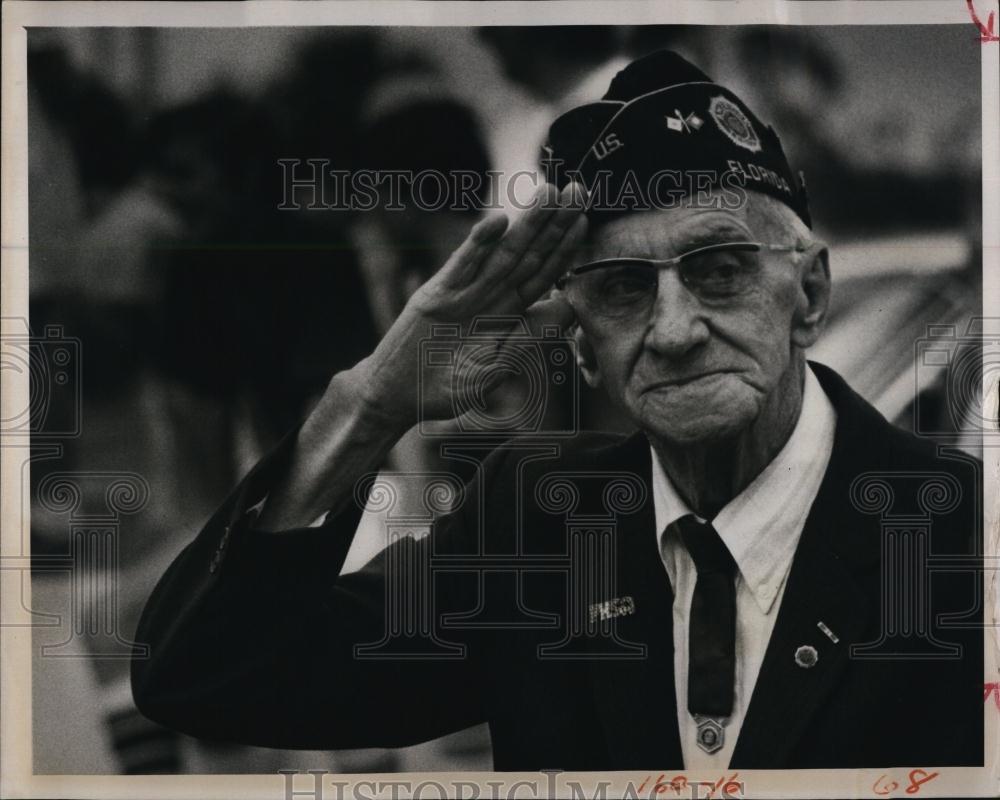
712 624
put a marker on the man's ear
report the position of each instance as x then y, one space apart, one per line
585 359
814 297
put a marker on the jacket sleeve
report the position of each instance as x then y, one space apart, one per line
253 635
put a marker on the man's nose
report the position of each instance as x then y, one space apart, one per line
677 324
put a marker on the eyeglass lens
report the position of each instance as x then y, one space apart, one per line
630 286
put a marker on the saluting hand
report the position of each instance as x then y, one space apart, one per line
367 409
497 271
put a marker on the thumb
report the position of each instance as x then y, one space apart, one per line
554 311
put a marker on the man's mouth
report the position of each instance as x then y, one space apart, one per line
676 383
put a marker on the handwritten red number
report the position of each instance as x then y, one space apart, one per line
915 784
992 689
986 33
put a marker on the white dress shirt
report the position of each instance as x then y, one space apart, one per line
761 527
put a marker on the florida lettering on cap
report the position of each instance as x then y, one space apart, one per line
662 116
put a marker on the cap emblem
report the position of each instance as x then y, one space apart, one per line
680 123
734 123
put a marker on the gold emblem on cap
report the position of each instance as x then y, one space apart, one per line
734 123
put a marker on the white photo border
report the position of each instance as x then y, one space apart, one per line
17 778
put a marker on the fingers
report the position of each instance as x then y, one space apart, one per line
510 266
524 230
559 223
465 262
546 206
541 280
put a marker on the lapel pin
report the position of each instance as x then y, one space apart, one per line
806 656
829 634
711 736
609 609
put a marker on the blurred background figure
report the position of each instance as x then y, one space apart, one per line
411 125
209 320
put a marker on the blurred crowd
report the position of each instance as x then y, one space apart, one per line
210 320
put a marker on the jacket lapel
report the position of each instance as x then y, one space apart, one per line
787 695
822 587
635 697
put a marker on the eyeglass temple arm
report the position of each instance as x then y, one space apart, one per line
667 262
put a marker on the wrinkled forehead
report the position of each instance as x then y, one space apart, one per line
664 233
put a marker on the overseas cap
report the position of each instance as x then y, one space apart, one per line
664 131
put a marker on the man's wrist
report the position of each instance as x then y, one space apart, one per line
346 436
369 411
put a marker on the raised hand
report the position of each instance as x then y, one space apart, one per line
367 409
495 272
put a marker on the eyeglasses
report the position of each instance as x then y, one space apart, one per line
717 274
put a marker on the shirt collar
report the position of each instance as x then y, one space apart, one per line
762 524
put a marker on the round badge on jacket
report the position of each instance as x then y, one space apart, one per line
806 656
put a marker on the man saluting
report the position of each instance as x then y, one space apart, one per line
743 575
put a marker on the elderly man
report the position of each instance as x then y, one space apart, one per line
730 608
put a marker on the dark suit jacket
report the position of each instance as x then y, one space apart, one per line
253 634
